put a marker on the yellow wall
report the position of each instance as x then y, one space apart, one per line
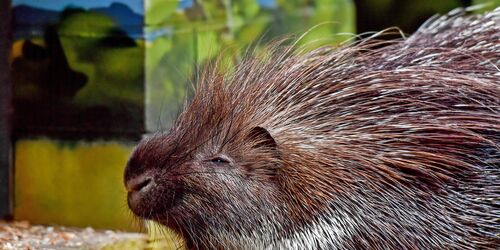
72 183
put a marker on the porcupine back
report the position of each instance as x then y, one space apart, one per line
392 147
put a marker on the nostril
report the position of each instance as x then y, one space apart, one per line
140 183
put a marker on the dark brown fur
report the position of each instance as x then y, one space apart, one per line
349 148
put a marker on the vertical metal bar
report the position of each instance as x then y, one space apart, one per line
6 166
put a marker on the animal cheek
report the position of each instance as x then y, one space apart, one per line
261 170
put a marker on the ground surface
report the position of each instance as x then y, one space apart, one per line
22 235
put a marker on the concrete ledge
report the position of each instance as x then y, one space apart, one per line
22 235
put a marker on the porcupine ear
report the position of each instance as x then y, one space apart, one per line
267 162
262 138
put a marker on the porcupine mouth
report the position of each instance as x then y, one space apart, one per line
158 204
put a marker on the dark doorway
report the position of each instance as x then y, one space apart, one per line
6 169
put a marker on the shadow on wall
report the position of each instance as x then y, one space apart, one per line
56 99
408 15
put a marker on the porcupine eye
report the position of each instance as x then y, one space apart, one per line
219 161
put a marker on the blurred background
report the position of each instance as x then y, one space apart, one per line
81 81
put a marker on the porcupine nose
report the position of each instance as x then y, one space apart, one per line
141 183
140 190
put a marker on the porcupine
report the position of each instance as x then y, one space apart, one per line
357 147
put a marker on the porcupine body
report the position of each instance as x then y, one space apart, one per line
339 148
